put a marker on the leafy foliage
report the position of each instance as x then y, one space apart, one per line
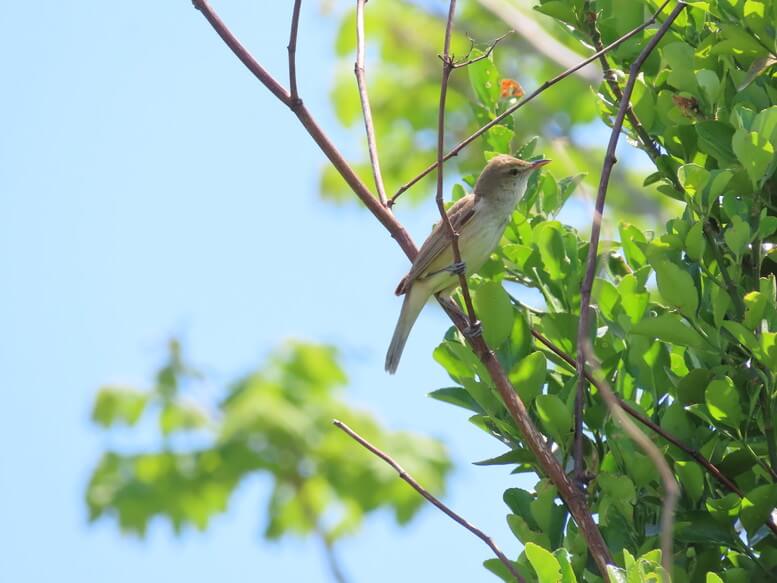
275 421
404 91
685 316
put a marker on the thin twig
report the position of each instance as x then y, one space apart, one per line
361 82
547 463
292 48
467 61
447 68
584 347
512 109
326 543
404 475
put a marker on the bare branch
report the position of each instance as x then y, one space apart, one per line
431 498
585 350
292 48
386 218
361 82
447 67
467 61
512 109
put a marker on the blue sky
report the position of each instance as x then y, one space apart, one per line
150 187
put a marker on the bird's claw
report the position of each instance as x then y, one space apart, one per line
457 268
474 330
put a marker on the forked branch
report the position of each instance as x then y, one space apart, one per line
361 82
447 68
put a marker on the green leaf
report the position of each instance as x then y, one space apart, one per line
755 306
737 236
675 421
756 154
757 506
565 562
765 124
554 416
559 10
677 287
744 336
520 336
528 376
495 310
551 247
449 358
484 78
691 479
669 328
180 417
631 237
710 85
457 396
692 386
695 243
714 139
544 563
117 405
722 401
512 457
713 578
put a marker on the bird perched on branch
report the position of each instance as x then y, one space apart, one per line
480 219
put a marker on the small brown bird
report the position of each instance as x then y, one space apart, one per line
480 219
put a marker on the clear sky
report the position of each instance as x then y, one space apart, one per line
150 187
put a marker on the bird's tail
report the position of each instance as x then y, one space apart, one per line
411 307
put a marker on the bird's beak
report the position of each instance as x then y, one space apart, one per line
539 163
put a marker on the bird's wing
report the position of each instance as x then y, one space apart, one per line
460 214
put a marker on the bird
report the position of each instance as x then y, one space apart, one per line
480 219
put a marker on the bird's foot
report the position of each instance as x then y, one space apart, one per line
457 268
474 329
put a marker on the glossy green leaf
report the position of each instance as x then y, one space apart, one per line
669 328
528 376
554 416
723 403
758 506
677 288
544 563
495 310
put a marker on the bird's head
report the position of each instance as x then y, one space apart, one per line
505 173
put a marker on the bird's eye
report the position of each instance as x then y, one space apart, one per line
514 172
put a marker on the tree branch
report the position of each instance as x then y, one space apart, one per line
361 82
383 215
585 349
404 475
547 463
509 111
292 49
447 67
